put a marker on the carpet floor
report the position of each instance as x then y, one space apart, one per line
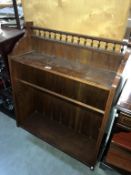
21 153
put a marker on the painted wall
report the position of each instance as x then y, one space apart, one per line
93 17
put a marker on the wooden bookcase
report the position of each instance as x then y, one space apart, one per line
64 86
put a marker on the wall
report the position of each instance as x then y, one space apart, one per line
93 17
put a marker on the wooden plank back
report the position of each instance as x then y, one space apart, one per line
93 57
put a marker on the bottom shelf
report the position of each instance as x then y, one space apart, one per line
119 157
63 138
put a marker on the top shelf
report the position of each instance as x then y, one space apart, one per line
74 70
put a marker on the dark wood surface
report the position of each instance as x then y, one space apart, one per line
123 140
119 158
119 153
76 145
124 120
70 84
8 38
8 34
84 73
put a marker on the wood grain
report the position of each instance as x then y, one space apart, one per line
64 90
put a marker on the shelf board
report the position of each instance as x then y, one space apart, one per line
123 140
78 146
77 71
76 102
119 157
